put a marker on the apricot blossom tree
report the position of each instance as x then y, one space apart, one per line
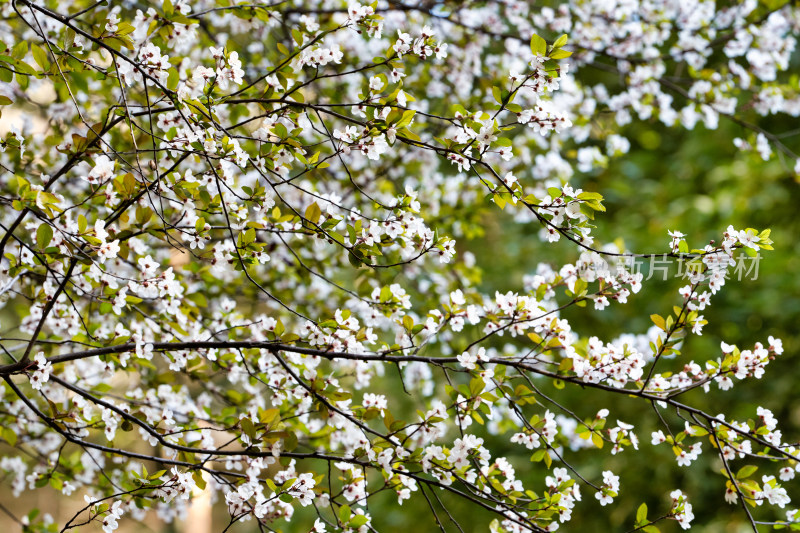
235 257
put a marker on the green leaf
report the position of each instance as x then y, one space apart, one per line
538 456
559 54
248 428
641 513
40 56
561 41
313 213
746 471
547 460
173 79
26 69
20 50
590 196
248 236
270 415
658 320
297 36
198 479
44 234
358 521
10 436
538 45
405 120
498 94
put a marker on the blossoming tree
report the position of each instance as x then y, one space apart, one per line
236 258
